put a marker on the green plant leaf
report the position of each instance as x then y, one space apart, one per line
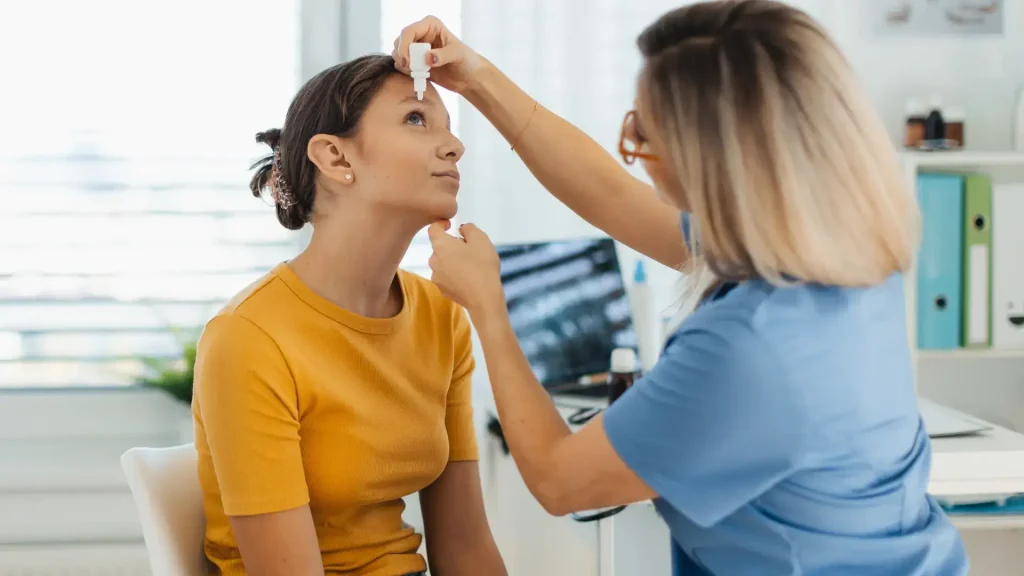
173 376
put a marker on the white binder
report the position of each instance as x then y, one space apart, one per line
1008 266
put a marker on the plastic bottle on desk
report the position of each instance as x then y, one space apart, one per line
644 323
623 373
935 125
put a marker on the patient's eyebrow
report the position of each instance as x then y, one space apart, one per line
411 99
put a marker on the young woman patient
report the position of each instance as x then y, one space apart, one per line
338 384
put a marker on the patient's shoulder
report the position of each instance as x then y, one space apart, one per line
255 296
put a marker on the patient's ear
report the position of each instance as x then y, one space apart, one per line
326 151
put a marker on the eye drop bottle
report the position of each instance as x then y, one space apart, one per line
418 67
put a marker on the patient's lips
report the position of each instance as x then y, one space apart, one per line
454 174
450 179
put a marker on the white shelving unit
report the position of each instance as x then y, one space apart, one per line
915 163
970 354
993 462
965 160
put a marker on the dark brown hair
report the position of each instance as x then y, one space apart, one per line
332 102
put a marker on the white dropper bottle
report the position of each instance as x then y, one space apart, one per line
418 67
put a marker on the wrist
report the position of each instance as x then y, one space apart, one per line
480 82
487 307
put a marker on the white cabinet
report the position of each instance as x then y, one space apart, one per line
531 541
535 543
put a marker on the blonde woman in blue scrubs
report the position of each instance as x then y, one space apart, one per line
779 433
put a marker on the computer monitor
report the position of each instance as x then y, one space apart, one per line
568 306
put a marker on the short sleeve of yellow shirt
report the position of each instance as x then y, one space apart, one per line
251 419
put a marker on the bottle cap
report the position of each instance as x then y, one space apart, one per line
624 360
639 274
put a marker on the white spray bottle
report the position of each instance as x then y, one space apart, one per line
642 303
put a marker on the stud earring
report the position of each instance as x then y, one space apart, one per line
348 176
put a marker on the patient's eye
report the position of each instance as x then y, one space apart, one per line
416 118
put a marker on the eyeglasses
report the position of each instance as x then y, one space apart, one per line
632 144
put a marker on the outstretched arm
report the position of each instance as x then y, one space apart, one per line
572 166
565 471
578 171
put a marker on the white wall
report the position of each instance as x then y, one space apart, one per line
983 74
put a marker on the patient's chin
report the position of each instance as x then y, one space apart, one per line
435 213
444 209
426 211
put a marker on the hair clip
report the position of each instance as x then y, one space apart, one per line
282 193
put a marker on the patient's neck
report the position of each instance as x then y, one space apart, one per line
352 260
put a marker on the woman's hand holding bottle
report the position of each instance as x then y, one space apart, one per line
453 65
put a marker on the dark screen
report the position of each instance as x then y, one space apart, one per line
568 306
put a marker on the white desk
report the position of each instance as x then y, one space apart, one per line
989 463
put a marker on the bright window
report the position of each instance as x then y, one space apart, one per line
124 207
125 216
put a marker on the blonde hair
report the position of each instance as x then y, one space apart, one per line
778 155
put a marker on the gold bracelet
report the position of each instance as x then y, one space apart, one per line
528 120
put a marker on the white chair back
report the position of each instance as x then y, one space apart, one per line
165 486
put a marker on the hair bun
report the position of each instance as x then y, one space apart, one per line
271 138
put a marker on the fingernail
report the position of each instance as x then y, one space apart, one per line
404 62
433 58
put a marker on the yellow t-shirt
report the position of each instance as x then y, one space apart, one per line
299 401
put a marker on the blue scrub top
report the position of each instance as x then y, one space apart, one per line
781 431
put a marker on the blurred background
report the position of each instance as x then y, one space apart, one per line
126 132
